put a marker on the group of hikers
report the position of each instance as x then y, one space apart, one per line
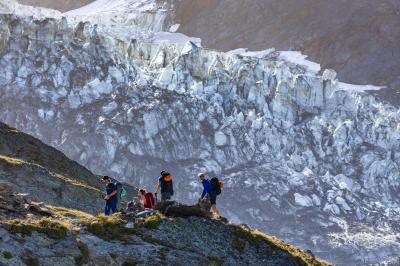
115 191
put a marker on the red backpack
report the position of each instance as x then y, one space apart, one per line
148 200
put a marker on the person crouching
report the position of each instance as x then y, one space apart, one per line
147 199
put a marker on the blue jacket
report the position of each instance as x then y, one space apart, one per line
206 187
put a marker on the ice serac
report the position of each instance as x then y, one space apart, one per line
304 158
127 19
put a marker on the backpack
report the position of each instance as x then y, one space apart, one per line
215 185
121 192
148 200
166 184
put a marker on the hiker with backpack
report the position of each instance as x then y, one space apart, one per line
211 189
206 187
165 186
147 199
111 197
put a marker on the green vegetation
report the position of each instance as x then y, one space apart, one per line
52 228
7 255
256 238
109 227
152 222
132 262
214 261
239 244
164 254
84 258
31 261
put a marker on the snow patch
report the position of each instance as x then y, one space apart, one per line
13 7
299 59
357 88
174 28
168 37
113 6
256 54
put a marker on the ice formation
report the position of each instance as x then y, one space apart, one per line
305 157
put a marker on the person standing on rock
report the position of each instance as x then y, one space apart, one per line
165 185
211 188
210 192
111 198
206 187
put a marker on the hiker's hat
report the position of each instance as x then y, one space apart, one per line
201 174
106 177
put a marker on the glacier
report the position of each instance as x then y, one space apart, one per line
303 156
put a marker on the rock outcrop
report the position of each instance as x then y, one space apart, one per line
305 157
70 237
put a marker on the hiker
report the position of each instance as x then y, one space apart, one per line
147 199
165 186
211 189
206 187
111 198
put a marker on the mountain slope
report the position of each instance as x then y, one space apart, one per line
41 234
45 173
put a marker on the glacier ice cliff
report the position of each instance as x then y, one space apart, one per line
302 157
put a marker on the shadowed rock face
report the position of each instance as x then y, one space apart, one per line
359 39
62 6
45 173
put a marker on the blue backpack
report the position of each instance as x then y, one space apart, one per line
121 192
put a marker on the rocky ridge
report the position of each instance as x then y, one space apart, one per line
322 159
51 235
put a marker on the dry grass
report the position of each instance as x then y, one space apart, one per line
109 227
63 213
52 228
11 130
11 160
256 238
76 182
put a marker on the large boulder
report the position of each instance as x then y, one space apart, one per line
174 209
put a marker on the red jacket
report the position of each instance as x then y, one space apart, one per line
148 200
